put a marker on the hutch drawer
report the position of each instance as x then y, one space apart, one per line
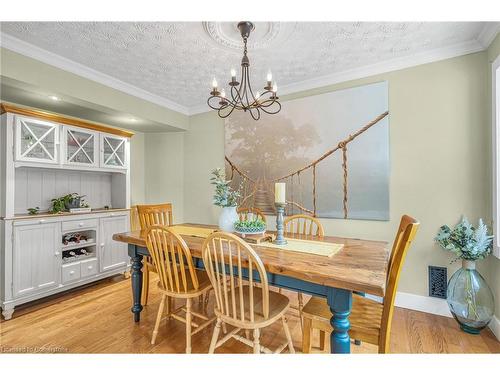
70 272
79 224
88 267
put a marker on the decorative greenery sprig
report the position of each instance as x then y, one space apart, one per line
224 195
250 226
465 241
33 210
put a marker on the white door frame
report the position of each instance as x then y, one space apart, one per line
495 122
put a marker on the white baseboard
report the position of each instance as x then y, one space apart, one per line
426 304
436 306
495 327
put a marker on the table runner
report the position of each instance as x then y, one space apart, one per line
184 230
327 249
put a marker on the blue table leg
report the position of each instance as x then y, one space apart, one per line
340 302
136 276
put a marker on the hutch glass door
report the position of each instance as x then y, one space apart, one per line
80 146
113 152
36 140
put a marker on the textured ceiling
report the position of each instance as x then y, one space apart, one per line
177 60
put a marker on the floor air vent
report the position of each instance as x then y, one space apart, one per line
437 281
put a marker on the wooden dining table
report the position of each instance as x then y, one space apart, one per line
359 267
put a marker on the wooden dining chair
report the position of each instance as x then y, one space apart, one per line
134 219
178 279
244 306
250 213
370 320
155 214
303 225
148 215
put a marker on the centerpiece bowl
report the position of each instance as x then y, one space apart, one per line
253 227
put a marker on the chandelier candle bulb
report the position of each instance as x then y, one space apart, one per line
275 87
214 84
279 192
233 73
269 78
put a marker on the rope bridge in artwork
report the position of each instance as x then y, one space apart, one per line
260 192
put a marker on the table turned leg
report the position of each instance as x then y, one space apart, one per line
136 278
340 302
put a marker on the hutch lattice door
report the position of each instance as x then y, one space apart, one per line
113 152
80 146
36 140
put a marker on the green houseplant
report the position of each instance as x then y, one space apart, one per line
64 203
250 226
225 197
469 297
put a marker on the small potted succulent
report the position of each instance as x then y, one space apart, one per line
254 226
469 297
225 197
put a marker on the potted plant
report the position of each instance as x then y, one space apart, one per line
469 297
254 226
225 197
66 202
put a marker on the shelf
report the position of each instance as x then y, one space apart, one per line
78 245
62 214
79 259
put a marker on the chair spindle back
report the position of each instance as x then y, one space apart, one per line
226 258
155 214
172 259
251 213
303 225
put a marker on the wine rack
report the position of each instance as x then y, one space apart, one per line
77 246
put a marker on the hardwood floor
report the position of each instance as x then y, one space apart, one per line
97 319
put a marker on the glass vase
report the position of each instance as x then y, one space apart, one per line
470 299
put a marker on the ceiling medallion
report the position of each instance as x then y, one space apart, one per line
242 96
227 34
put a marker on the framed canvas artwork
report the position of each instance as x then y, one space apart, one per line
331 150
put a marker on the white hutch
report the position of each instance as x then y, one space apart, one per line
44 156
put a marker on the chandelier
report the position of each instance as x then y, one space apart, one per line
241 95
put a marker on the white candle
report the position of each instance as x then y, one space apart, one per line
279 192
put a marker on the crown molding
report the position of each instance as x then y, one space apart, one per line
29 50
373 69
489 32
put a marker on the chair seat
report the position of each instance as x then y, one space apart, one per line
190 292
278 305
365 317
